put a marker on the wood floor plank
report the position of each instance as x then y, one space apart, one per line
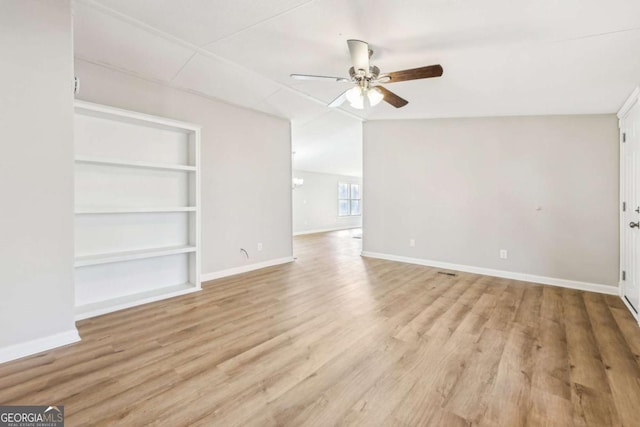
510 401
591 391
468 397
621 368
329 408
339 339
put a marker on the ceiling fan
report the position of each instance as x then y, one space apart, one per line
368 80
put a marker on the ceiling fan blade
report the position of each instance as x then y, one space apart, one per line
359 51
392 98
312 77
340 99
414 74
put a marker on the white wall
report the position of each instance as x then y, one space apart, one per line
315 204
246 165
543 188
36 177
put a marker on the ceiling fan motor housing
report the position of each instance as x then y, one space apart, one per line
373 74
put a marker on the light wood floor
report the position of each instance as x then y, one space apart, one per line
338 339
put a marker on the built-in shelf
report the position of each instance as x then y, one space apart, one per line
86 260
106 306
133 164
127 158
87 211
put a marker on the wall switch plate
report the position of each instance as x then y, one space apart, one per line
412 243
259 247
503 254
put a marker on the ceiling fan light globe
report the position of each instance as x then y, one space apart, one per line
375 96
358 105
354 94
356 98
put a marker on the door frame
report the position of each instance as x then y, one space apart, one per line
633 99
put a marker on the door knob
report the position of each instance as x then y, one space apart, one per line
634 224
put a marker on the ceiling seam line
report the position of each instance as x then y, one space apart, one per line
172 85
146 27
119 69
589 36
270 95
325 113
255 24
183 67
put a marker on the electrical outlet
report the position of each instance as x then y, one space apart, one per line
259 247
503 254
412 243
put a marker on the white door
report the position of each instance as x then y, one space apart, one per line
630 218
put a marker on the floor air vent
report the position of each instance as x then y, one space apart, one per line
447 274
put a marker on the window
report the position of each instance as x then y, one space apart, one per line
348 199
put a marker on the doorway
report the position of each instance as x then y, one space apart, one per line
327 187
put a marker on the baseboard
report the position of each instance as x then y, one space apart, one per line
244 269
16 351
626 303
325 230
564 283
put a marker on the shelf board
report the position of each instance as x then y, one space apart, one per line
86 211
133 164
87 260
97 308
112 113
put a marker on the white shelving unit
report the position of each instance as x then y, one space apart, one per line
137 195
83 261
135 164
109 210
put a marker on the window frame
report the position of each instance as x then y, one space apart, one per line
349 199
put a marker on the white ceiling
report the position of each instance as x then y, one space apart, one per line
330 143
500 57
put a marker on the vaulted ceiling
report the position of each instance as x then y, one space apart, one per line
500 57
